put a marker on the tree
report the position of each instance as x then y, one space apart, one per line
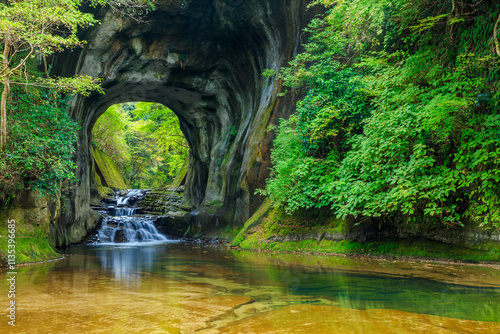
172 149
38 27
42 140
43 27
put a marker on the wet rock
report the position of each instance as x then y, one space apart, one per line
120 236
113 223
162 200
175 224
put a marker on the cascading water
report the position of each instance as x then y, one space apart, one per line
123 227
120 212
124 200
129 229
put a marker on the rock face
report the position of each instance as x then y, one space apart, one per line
171 220
33 217
202 59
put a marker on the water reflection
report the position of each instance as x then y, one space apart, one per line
273 278
334 282
127 264
191 288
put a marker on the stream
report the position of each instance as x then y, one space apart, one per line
142 282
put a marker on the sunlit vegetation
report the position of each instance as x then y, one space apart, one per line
145 140
400 117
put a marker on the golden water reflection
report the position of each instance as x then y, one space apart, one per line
182 288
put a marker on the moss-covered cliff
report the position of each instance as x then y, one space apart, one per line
107 172
33 217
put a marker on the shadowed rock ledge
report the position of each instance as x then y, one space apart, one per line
202 59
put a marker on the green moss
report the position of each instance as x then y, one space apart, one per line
213 203
269 222
31 237
30 250
105 191
212 206
102 190
420 249
251 222
108 172
182 174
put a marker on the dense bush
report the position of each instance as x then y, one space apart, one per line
40 144
400 119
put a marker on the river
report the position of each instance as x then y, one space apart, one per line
180 287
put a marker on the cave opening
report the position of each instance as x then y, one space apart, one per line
139 145
204 61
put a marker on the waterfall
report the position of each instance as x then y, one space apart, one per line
123 227
123 200
120 212
129 230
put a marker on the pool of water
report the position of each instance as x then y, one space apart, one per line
188 288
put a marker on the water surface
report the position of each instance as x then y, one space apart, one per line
189 288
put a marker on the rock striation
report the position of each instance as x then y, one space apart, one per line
202 59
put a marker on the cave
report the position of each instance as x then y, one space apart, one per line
203 59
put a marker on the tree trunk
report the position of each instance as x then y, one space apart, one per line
5 95
495 36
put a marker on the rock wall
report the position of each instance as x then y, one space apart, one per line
202 59
34 218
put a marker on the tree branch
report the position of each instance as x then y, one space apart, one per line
495 36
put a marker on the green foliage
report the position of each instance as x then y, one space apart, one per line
268 73
27 29
400 116
41 144
331 111
28 25
297 180
36 154
108 134
79 84
429 152
145 139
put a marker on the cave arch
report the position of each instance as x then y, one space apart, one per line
204 60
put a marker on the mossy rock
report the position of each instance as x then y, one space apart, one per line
270 222
31 235
108 173
180 179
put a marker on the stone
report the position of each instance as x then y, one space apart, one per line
120 236
174 224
